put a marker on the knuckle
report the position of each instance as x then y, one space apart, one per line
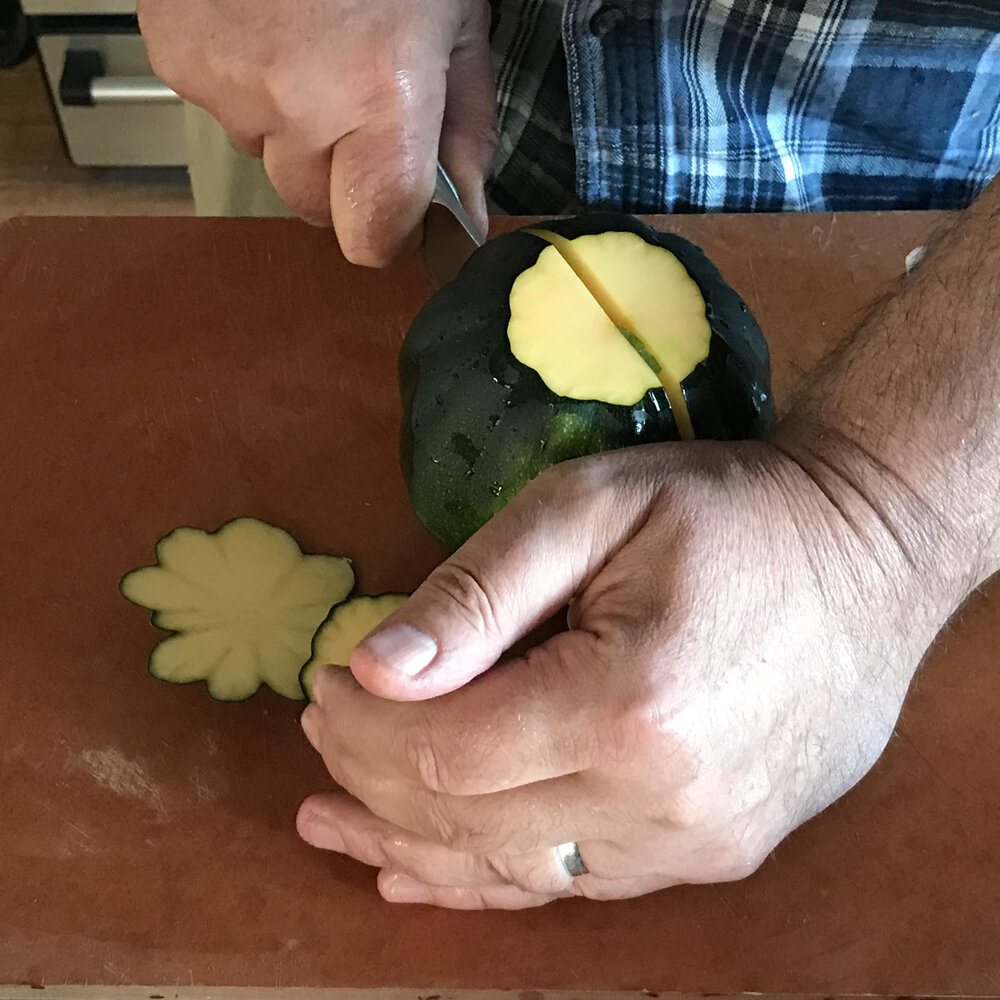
631 730
587 477
470 832
421 754
468 839
287 95
380 88
601 890
365 250
686 810
461 587
380 172
484 135
378 190
733 858
684 795
173 59
164 62
441 824
566 483
437 768
463 830
528 873
639 726
684 803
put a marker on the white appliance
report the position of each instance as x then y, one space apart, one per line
112 109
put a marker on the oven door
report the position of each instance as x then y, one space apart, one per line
112 109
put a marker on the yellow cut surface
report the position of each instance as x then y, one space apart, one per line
558 328
345 626
638 287
243 602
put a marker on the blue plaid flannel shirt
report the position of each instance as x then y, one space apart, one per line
745 105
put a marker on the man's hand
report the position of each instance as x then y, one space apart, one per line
741 641
744 621
349 102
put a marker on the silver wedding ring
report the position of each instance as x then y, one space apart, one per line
569 855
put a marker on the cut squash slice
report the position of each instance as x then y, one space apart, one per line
243 603
645 294
345 626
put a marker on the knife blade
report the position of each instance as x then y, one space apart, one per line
450 235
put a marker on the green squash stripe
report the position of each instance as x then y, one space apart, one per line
640 348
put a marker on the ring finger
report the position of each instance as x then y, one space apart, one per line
414 867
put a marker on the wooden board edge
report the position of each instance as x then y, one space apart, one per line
69 991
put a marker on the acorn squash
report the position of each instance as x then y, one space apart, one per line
566 338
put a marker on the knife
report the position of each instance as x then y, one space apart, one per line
450 235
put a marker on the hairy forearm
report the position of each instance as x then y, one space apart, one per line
907 413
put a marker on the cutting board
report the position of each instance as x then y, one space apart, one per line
155 373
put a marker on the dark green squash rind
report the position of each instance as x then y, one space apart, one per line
478 424
305 673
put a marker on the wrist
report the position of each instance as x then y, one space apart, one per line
906 413
928 557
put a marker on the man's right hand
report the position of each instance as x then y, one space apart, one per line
349 102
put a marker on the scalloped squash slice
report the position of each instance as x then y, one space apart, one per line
346 625
243 603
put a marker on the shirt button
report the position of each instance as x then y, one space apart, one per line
606 19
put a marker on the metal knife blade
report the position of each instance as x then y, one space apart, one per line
450 235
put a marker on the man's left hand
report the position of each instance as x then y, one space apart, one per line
743 630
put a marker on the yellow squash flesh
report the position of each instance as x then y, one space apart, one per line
243 602
559 329
569 310
344 627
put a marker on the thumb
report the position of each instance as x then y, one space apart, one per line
516 572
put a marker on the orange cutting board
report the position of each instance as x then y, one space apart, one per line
163 372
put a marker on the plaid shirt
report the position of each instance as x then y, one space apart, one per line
745 105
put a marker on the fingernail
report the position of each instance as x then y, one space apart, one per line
310 723
403 648
307 817
316 694
317 833
401 888
307 821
